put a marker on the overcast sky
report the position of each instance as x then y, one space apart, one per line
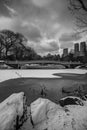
48 24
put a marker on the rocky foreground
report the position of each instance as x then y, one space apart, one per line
42 114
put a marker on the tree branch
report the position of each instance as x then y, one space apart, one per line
82 4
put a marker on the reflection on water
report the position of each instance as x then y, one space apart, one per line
11 74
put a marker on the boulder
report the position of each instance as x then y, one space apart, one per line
13 112
43 114
47 115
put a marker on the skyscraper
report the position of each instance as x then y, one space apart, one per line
65 52
82 48
76 49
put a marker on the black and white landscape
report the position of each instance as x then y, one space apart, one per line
43 64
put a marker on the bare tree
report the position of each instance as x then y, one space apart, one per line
14 46
8 39
12 43
79 9
19 46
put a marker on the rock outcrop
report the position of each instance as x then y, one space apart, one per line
42 114
13 112
47 115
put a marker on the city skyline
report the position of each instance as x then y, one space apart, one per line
79 49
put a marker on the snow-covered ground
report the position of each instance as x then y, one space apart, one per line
11 74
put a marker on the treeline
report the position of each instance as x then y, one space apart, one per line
13 47
71 57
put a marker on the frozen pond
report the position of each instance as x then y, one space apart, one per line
11 74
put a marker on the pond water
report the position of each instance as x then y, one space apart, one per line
36 73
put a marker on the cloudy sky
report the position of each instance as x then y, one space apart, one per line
48 24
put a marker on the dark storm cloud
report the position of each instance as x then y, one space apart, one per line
3 9
66 44
50 46
26 8
32 32
55 10
47 12
45 46
69 37
34 35
38 20
53 46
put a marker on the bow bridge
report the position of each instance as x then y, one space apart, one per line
19 64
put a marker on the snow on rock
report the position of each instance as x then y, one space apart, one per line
43 114
46 115
13 112
40 108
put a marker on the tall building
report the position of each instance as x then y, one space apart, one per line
65 52
82 48
72 51
76 49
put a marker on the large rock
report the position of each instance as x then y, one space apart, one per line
42 114
13 112
47 115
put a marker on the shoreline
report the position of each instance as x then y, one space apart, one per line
46 73
72 76
53 88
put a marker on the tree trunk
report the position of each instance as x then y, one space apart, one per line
0 54
6 54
